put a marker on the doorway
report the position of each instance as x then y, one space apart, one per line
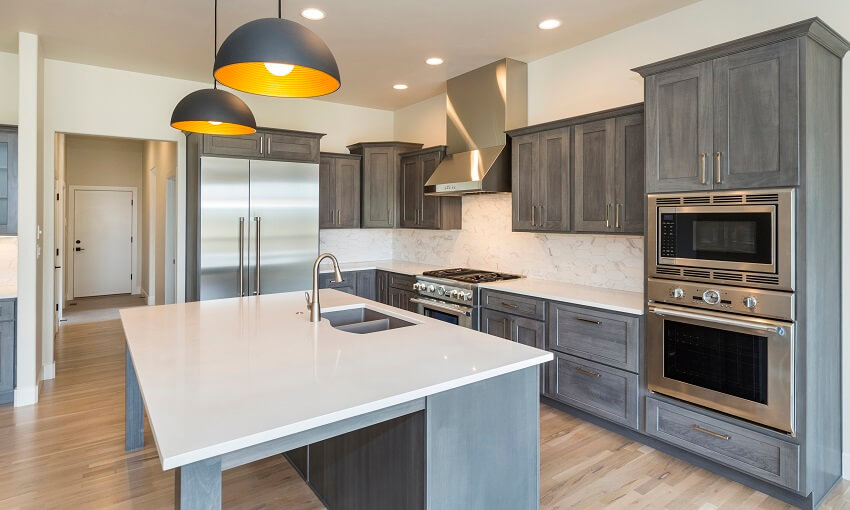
102 240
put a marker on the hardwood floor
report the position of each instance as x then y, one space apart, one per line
68 452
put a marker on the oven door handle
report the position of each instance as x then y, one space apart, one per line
772 328
441 306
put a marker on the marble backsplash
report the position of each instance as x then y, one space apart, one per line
8 261
487 242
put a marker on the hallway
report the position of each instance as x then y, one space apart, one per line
99 308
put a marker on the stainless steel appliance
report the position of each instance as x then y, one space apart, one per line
259 226
725 348
451 295
728 237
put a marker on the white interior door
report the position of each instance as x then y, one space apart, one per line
170 240
102 243
59 254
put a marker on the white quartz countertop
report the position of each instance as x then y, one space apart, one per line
393 266
599 297
217 376
8 291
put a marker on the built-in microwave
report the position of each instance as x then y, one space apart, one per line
730 237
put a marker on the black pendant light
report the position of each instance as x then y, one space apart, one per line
276 57
213 111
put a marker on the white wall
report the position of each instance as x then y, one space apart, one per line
423 122
9 88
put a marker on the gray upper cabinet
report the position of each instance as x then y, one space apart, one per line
541 180
629 176
381 168
594 175
339 191
756 117
280 145
679 129
418 210
8 181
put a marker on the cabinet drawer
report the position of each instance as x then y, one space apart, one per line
604 391
746 450
401 281
514 304
606 337
348 285
7 310
292 147
227 145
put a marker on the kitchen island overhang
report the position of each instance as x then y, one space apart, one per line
232 381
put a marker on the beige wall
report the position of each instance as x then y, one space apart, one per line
160 163
102 161
423 122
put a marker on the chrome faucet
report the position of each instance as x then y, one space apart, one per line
313 304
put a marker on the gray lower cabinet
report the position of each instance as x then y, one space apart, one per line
760 455
349 283
7 350
401 299
514 304
597 335
597 389
366 284
339 190
518 329
380 167
8 181
382 287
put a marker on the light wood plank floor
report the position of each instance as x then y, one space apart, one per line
68 452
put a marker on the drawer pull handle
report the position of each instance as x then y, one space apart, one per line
509 305
588 320
725 437
588 372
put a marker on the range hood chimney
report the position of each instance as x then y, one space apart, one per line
480 106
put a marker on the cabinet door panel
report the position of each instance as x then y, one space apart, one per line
382 287
401 299
524 172
679 129
291 147
347 184
8 183
496 323
630 180
429 214
756 117
411 192
594 172
244 145
327 193
7 361
554 180
366 284
379 187
349 283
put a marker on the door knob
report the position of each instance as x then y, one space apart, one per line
79 249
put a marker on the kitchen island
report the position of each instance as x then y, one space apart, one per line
431 415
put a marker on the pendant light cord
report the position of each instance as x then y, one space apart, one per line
279 9
215 38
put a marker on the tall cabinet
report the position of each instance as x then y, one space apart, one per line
380 177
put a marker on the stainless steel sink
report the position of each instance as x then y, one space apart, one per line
362 320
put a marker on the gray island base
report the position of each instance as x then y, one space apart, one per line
472 447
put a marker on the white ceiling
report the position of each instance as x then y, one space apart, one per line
376 42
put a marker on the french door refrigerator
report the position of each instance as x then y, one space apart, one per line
259 226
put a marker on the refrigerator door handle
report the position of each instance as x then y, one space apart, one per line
241 256
257 271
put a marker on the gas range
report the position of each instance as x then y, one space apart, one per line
452 294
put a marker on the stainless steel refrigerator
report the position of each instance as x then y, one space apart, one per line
259 226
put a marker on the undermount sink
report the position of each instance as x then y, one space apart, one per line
362 320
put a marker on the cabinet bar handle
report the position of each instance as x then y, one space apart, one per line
718 177
617 215
509 305
702 168
588 320
588 372
725 437
269 144
338 217
261 143
608 216
533 220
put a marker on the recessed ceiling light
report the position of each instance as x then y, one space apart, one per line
313 14
549 24
400 86
434 61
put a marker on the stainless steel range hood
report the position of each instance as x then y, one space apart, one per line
480 106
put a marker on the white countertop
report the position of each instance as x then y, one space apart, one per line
599 297
8 291
217 376
393 266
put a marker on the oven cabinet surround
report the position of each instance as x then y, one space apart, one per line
765 112
8 318
417 210
380 178
339 190
736 115
582 174
8 180
414 434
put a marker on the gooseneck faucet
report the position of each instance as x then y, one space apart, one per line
313 304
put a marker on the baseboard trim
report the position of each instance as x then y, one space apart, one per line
26 396
48 371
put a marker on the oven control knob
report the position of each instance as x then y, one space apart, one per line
711 297
750 302
453 293
415 286
441 290
677 293
431 288
468 296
